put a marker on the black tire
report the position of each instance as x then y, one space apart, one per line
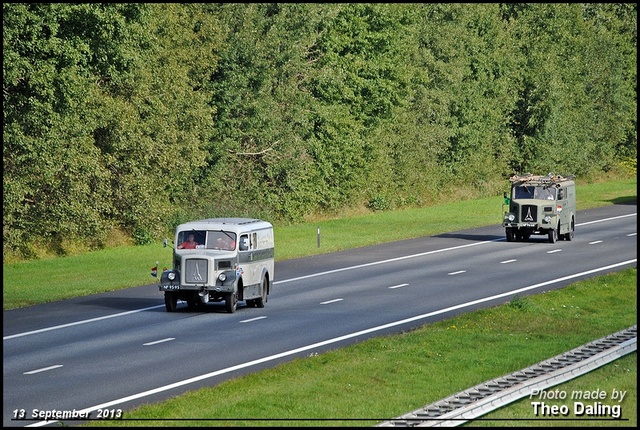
511 236
260 302
170 301
231 302
569 236
553 235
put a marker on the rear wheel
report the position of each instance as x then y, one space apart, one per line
170 301
569 236
260 302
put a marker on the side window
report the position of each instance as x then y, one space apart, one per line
254 240
561 194
244 243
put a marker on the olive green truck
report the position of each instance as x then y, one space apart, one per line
542 205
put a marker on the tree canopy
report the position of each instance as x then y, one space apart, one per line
134 117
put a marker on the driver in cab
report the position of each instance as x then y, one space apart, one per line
190 243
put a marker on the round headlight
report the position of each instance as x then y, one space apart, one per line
511 217
171 276
222 277
547 218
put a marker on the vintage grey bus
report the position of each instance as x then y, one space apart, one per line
220 259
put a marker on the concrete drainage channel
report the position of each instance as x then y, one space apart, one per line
496 393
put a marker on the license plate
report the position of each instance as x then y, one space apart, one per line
171 287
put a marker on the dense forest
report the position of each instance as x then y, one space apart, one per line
125 119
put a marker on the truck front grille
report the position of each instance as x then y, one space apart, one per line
529 213
196 271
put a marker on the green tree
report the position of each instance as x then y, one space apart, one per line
465 77
577 74
134 117
54 186
154 127
360 81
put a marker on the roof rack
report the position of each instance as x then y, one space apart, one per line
551 178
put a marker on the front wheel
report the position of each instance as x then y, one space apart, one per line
553 235
231 302
511 236
170 301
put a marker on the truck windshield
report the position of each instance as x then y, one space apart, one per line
191 239
537 192
225 240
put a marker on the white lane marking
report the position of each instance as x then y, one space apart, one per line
457 273
391 260
302 277
554 251
253 319
595 242
44 369
169 339
81 322
398 286
331 301
607 219
508 261
632 234
334 340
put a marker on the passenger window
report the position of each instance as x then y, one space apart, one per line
561 194
244 242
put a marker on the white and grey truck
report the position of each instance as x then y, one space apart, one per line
220 259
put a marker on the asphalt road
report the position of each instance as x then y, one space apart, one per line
122 349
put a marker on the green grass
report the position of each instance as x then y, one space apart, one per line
386 377
123 267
